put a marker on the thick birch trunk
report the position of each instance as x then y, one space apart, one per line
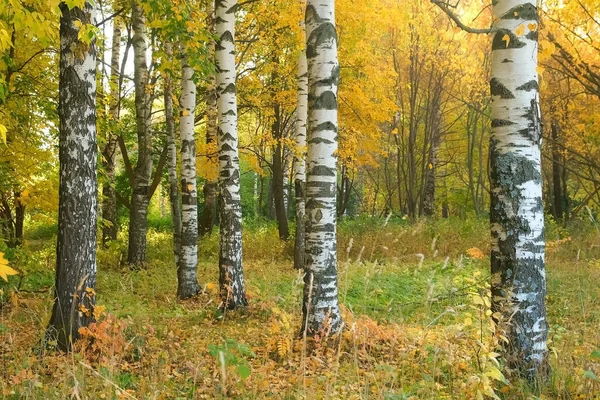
140 197
109 195
174 198
517 218
231 275
188 260
299 161
320 307
77 211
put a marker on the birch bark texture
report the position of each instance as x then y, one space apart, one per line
517 219
231 275
320 304
140 197
188 253
77 210
300 160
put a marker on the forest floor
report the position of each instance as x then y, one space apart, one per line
415 307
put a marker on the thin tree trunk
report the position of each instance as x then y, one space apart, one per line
76 246
278 172
430 175
140 197
320 304
299 161
209 213
231 274
517 213
19 218
557 192
188 261
174 197
109 195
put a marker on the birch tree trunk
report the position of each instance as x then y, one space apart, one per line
76 247
172 160
517 219
431 167
320 306
109 194
140 197
231 275
188 260
299 161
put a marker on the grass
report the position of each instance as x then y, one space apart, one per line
414 329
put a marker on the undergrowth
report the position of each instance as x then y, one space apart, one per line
415 306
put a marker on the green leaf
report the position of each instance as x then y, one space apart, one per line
590 375
3 133
595 354
244 371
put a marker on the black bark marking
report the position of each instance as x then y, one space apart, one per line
501 122
514 43
531 85
526 11
319 37
326 101
498 89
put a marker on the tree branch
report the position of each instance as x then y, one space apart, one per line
444 7
158 173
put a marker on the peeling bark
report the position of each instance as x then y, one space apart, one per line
77 210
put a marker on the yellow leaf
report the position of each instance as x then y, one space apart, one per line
3 133
211 287
185 113
495 373
468 321
5 270
520 30
430 166
532 27
506 38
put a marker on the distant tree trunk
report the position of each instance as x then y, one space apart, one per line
557 192
231 274
431 168
278 172
299 161
109 195
517 213
19 218
76 247
320 304
174 197
209 212
140 196
188 260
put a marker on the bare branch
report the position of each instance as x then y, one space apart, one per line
445 8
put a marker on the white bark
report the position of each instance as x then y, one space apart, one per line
321 309
299 160
518 246
231 276
188 253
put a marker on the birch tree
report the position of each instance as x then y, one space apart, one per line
320 305
518 279
231 275
517 214
188 257
299 161
74 297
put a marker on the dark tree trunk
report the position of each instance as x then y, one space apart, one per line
19 219
557 192
76 247
278 186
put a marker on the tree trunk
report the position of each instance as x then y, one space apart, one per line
19 218
299 161
431 168
109 195
320 306
231 274
174 198
557 192
209 212
278 171
517 217
76 246
140 197
188 261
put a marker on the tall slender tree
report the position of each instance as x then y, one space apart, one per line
320 305
299 160
109 162
142 175
188 257
74 296
517 212
231 275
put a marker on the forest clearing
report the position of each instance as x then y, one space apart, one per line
299 199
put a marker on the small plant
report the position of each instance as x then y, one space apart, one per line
231 354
